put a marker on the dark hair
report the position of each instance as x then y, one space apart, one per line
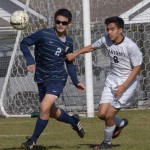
63 12
115 19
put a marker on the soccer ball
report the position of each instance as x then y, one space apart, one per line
19 20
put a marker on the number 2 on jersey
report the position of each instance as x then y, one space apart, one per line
57 53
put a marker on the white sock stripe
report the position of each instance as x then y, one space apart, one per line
79 126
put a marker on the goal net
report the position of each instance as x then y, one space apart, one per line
19 95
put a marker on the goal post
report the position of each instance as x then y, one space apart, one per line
6 81
88 59
7 78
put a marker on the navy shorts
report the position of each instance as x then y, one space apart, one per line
54 88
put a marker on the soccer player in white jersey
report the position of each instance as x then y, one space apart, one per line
126 60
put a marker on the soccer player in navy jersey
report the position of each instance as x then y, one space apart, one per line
51 47
126 59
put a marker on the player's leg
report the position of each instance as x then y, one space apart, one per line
62 116
120 124
118 121
122 101
107 112
42 121
46 100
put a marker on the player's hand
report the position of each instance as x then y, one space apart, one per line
119 90
70 56
81 87
31 68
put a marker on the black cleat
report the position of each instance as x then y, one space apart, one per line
28 145
78 127
118 130
103 145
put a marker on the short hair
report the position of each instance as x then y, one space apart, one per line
63 12
117 20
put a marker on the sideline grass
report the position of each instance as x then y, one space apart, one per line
60 136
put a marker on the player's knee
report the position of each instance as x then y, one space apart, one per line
109 118
44 113
101 115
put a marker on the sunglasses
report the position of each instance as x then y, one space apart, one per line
64 23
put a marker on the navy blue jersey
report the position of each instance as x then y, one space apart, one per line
50 56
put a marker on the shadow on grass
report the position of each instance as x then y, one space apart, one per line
39 147
97 145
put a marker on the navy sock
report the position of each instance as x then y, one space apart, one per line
117 120
64 117
40 126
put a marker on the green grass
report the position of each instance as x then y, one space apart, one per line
60 136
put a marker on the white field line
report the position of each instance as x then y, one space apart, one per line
19 135
1 123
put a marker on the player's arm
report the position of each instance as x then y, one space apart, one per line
98 44
132 76
136 61
86 49
24 47
71 68
121 88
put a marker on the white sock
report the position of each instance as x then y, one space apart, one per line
108 132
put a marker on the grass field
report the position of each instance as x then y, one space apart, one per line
60 136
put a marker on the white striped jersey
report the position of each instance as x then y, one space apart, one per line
123 56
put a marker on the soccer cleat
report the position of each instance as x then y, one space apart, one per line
103 145
78 127
28 145
118 130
